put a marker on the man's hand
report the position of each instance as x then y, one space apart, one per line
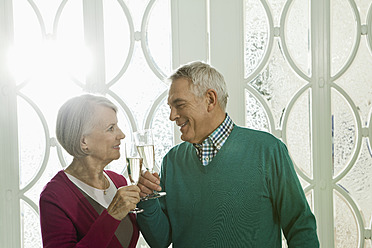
148 183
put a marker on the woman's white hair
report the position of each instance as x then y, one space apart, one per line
76 119
203 77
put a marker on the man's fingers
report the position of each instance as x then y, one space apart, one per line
154 178
155 174
147 186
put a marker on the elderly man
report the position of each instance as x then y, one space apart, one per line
227 186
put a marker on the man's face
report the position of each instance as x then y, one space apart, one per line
188 111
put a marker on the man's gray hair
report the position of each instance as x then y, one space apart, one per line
76 119
203 77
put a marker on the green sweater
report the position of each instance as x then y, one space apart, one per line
243 198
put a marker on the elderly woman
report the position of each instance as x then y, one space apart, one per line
85 205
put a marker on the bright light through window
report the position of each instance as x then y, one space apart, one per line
49 60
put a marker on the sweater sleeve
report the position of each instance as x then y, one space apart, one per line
58 230
297 221
153 222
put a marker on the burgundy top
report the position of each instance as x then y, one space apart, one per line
69 220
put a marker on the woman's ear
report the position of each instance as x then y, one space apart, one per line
83 144
212 99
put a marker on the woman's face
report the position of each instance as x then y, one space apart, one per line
103 142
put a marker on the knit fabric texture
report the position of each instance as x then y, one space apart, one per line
245 197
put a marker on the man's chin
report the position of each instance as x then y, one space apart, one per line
185 138
188 139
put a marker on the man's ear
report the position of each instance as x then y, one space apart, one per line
211 99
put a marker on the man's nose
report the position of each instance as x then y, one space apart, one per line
173 115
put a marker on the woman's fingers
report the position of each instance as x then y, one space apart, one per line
125 199
129 193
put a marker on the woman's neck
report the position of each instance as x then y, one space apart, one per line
88 172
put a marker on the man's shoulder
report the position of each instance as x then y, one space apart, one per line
181 147
253 135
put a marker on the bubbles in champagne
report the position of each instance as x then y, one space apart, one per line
134 169
148 155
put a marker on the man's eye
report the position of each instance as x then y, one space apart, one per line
111 128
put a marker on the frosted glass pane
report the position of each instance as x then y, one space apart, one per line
26 25
31 132
298 131
27 36
60 54
343 30
159 36
58 92
71 24
346 230
116 39
162 131
357 81
363 7
31 136
70 38
368 243
344 132
276 7
139 87
304 183
31 233
358 182
137 9
53 167
256 117
277 84
48 10
297 31
255 35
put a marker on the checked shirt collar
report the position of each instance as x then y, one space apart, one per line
208 149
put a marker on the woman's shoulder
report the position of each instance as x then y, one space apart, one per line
58 185
119 180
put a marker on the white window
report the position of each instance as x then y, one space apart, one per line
298 69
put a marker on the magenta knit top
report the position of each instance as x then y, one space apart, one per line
69 220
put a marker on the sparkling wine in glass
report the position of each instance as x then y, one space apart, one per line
147 153
134 167
145 146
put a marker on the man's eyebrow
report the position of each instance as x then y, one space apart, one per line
177 100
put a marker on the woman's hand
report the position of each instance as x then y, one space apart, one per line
126 199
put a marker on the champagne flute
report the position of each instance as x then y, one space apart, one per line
134 167
145 146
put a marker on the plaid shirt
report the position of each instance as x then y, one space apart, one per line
211 145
